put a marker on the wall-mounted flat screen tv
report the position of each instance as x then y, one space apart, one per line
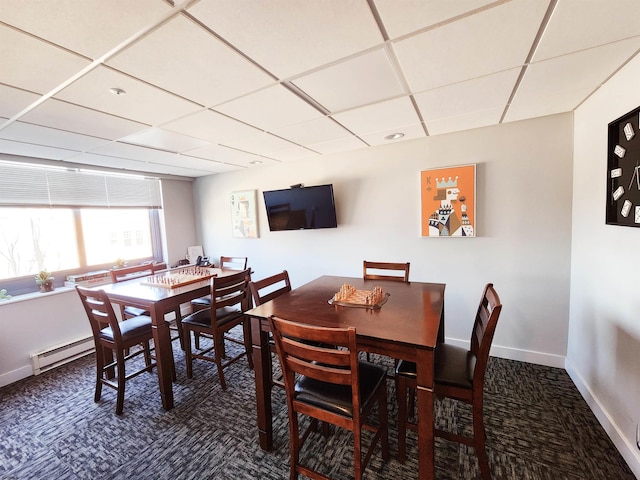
301 208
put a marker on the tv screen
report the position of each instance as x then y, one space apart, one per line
301 208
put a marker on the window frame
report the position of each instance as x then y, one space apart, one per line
22 285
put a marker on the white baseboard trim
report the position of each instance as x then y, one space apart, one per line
626 448
15 375
529 356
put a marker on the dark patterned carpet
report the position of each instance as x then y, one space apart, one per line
538 427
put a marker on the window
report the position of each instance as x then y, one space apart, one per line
69 221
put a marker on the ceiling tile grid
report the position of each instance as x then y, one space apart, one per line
210 86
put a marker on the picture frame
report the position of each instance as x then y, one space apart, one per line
244 219
623 171
448 201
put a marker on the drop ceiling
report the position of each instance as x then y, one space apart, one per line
212 86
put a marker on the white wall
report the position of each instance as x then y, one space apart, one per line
604 334
179 219
524 226
32 323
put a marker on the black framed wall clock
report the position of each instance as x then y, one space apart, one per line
623 171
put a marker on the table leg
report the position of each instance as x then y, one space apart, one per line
262 370
426 464
164 356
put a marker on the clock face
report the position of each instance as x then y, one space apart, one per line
623 171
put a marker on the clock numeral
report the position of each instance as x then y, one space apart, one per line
619 151
616 172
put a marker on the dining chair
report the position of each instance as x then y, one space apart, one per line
112 336
325 381
265 290
398 272
458 374
385 271
230 299
233 263
127 311
226 263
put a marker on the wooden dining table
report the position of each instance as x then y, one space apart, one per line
408 326
158 300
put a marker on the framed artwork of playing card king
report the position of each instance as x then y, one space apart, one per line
448 198
623 171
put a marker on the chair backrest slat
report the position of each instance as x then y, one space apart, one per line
269 288
324 354
127 273
99 311
233 263
231 290
483 330
374 271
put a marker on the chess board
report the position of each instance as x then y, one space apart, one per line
349 296
179 277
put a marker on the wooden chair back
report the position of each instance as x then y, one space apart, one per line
325 354
270 287
383 271
233 263
482 333
100 313
127 273
229 291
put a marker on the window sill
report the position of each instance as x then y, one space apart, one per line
34 295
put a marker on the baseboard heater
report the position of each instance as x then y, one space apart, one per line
59 355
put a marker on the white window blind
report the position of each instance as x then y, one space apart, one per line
40 185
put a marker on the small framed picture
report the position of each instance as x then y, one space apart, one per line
448 198
244 219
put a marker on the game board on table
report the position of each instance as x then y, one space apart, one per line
349 296
179 277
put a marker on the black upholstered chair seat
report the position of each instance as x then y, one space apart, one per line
202 302
337 398
203 317
453 366
130 311
130 329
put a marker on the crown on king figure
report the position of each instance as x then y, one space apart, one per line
452 182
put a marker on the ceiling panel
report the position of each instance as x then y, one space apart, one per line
67 116
270 108
294 37
402 18
33 150
141 103
83 29
211 126
14 100
409 132
387 115
25 132
164 140
235 82
358 81
577 25
262 143
313 131
468 48
576 76
193 64
229 156
34 65
466 121
491 91
338 145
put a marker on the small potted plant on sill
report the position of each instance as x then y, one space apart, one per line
4 295
45 280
